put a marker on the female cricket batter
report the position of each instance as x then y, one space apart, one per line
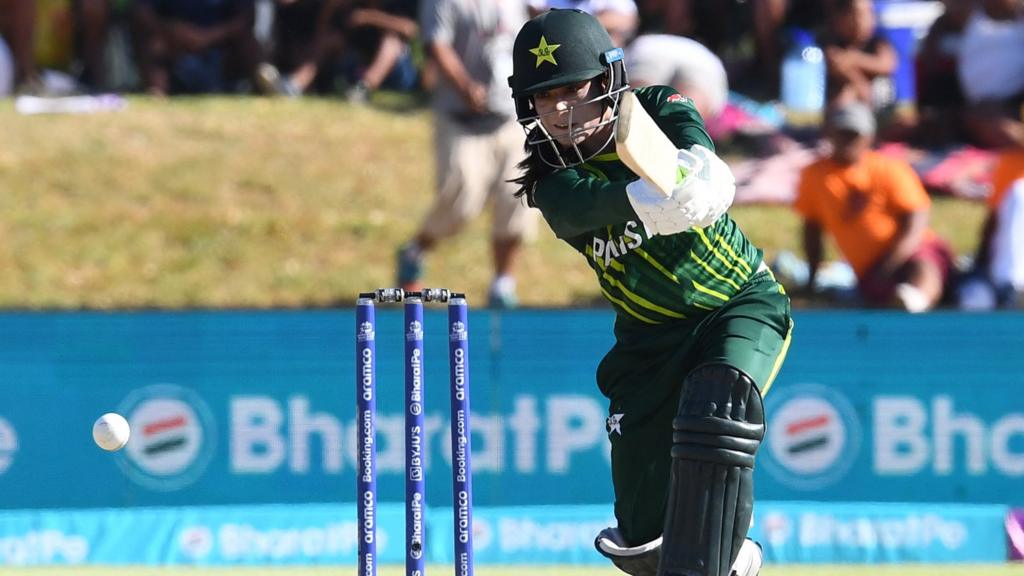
702 326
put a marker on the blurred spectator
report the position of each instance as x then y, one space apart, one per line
17 28
877 210
62 35
682 63
991 70
313 38
381 34
665 17
54 35
713 23
859 61
725 27
619 17
196 46
477 139
940 100
70 38
6 70
769 17
998 277
92 20
809 15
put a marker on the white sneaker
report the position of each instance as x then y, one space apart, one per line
748 561
914 300
502 295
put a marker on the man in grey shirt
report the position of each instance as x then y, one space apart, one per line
478 141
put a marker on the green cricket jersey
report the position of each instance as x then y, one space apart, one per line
656 279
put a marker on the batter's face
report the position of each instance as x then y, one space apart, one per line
573 114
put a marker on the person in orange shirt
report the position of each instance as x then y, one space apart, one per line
877 210
998 276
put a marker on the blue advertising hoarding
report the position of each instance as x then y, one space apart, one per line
326 534
258 407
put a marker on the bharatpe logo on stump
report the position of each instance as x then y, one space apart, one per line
172 440
813 436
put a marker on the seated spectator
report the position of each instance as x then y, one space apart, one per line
381 32
859 61
682 63
665 17
69 43
54 36
619 17
196 46
877 211
313 38
940 100
92 20
17 28
998 277
6 70
991 70
723 25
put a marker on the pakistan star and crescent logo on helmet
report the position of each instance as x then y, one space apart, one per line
545 52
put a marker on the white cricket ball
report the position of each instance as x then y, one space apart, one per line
111 431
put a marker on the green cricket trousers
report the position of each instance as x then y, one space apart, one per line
643 374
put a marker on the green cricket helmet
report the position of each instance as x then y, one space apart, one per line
559 48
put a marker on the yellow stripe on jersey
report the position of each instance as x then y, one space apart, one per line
595 171
732 253
622 306
710 270
615 264
640 300
657 265
609 157
709 291
636 298
743 275
782 289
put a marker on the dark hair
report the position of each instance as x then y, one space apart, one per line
533 169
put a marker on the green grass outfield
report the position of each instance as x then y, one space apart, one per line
811 570
252 202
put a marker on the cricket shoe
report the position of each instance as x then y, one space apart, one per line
270 82
642 560
749 560
502 295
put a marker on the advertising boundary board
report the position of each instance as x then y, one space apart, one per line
325 534
249 407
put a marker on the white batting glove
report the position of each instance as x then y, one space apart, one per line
704 193
709 187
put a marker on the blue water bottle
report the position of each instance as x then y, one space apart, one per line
803 81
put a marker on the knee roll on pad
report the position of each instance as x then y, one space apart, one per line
715 434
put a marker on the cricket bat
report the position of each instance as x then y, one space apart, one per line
643 147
